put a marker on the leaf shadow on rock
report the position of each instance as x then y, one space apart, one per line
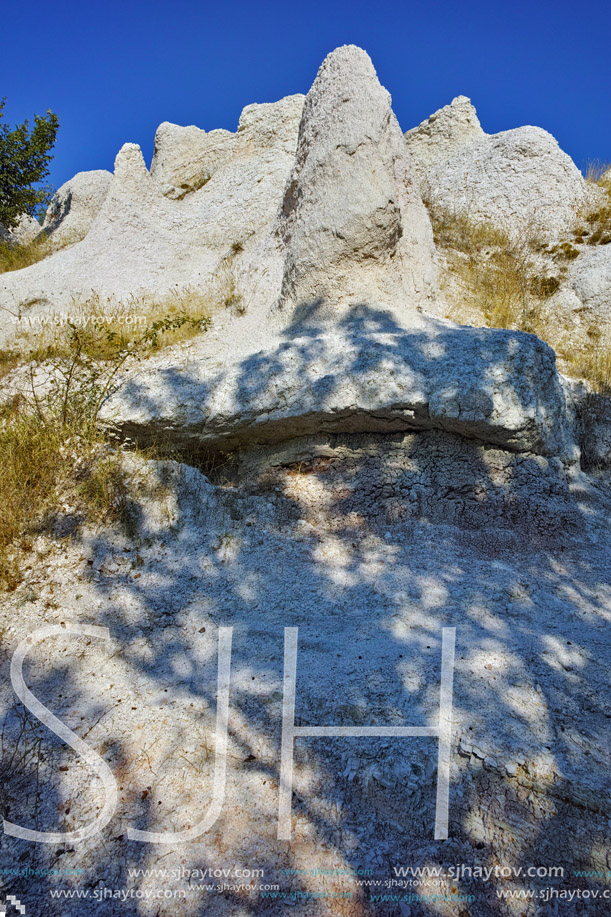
370 600
364 372
43 784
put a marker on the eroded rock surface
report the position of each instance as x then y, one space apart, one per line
528 596
589 278
594 411
373 475
441 136
518 180
26 230
354 481
367 372
185 158
216 242
354 226
75 205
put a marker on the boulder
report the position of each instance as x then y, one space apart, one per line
442 134
589 278
75 206
368 372
519 180
185 158
352 221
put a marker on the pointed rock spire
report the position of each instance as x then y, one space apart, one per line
354 226
442 134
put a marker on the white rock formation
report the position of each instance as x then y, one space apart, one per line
442 134
580 312
354 226
589 278
145 245
26 230
270 125
75 205
394 475
519 180
347 350
185 158
313 210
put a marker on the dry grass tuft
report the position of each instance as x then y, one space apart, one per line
56 459
51 465
595 220
15 257
496 280
595 228
596 170
591 361
106 327
495 273
110 323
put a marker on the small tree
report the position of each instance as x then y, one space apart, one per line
24 164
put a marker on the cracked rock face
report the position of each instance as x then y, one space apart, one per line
348 481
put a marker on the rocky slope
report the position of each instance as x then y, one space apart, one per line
374 472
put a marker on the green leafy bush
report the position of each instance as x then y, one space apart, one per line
25 154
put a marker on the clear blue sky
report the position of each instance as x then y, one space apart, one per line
114 70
